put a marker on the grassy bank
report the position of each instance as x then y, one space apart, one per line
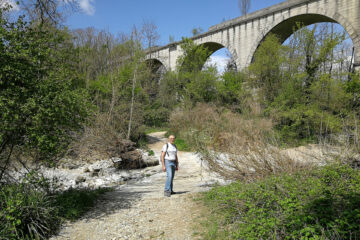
322 203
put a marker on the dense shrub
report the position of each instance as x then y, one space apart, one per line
26 213
323 203
231 91
39 107
156 116
32 210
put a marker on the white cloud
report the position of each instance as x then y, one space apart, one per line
12 3
219 61
87 6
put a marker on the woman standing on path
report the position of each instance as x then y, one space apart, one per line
170 163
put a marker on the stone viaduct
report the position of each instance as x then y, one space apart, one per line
242 35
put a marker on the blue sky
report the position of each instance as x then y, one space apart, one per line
176 18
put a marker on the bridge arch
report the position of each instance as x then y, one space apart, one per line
283 28
213 46
157 69
154 64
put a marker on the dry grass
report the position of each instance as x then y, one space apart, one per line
234 146
97 141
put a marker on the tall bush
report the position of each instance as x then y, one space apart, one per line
39 107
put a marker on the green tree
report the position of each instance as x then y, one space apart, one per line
353 88
298 86
193 57
202 85
39 107
266 68
231 91
169 90
314 47
196 84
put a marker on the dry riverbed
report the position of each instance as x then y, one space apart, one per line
138 209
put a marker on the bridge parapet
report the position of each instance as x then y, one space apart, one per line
259 14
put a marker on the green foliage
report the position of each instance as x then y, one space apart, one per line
170 90
156 116
314 48
303 123
155 129
352 87
193 57
38 104
299 121
192 84
267 68
299 88
317 204
200 86
126 91
231 91
73 203
329 93
30 209
111 90
182 145
26 213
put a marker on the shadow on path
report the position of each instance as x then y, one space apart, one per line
113 201
152 139
180 192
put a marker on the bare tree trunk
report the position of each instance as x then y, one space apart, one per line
244 6
132 102
112 102
332 51
110 63
356 132
6 162
321 126
351 61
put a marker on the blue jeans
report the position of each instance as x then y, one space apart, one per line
170 173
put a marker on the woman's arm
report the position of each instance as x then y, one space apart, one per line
163 161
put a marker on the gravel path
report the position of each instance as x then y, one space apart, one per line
138 210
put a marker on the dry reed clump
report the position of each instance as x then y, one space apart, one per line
236 147
97 141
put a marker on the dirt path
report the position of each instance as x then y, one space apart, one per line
139 210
